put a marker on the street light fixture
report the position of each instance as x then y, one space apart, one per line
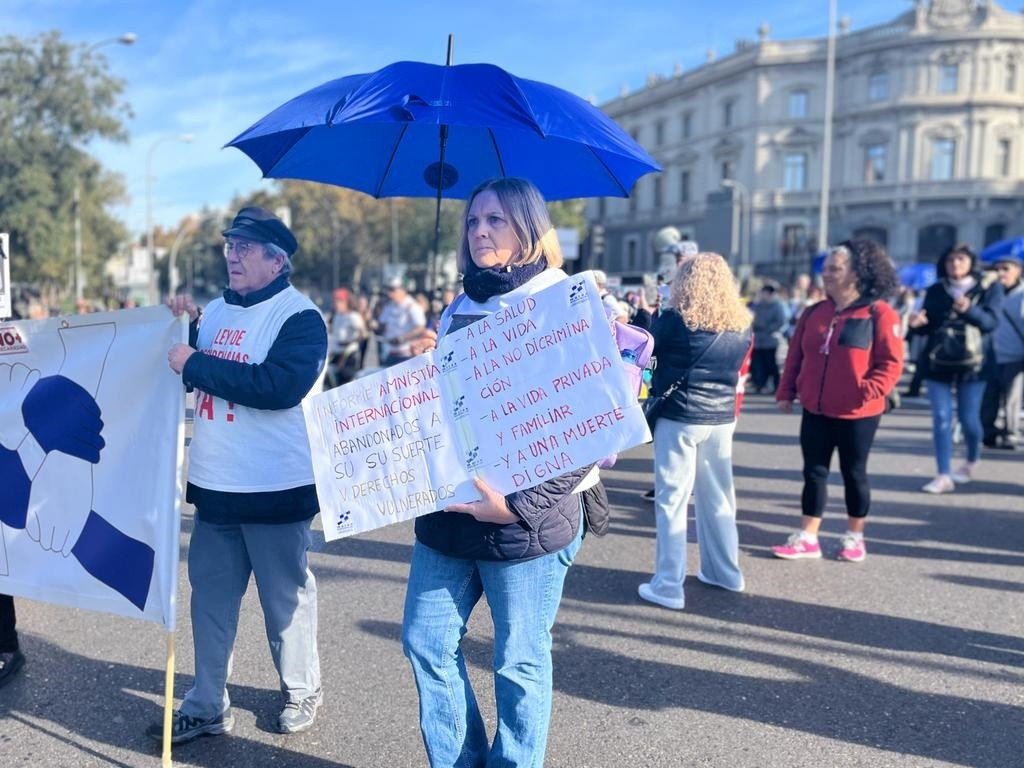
185 138
743 209
128 38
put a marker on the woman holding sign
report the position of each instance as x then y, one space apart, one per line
514 549
701 339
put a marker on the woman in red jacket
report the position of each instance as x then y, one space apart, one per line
845 356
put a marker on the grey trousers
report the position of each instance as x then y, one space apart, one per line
695 458
220 560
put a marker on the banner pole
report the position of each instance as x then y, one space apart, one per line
165 760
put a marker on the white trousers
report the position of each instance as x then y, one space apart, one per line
694 458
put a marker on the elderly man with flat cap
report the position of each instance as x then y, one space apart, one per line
253 356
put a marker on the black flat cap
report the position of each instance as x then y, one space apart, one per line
262 226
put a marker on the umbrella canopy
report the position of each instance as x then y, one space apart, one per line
917 277
387 132
1012 247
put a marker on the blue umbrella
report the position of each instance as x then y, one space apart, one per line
917 276
423 130
1012 247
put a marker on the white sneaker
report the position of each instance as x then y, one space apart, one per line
962 474
941 484
647 593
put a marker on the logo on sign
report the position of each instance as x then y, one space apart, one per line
473 458
343 523
577 293
11 341
459 408
448 363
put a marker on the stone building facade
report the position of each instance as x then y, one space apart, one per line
927 144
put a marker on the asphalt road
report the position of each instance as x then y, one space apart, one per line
913 658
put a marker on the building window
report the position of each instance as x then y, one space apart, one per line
633 195
878 86
659 133
943 158
933 241
795 243
949 75
798 104
994 233
631 249
795 172
728 108
874 163
688 125
727 170
1010 84
1003 157
684 187
657 181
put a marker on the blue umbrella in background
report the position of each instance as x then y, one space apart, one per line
917 277
423 130
1012 247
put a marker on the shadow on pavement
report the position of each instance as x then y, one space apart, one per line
804 695
113 709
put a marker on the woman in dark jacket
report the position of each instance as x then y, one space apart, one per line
959 298
514 549
700 340
845 357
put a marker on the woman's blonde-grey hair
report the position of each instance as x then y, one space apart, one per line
704 292
528 216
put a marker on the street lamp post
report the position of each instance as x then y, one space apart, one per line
744 205
127 38
153 296
826 152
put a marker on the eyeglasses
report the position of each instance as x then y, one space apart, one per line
1004 267
242 247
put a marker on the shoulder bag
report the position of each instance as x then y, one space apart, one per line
956 347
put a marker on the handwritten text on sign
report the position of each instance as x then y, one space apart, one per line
532 391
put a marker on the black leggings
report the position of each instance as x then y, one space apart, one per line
820 436
8 635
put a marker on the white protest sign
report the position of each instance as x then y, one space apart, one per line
528 393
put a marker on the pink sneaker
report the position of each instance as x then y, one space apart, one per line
797 548
852 549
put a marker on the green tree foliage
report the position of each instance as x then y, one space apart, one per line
55 97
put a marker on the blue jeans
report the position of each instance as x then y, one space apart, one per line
523 597
968 408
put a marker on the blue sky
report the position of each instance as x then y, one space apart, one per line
211 68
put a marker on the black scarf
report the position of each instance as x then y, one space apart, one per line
480 284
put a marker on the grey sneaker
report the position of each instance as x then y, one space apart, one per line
185 728
299 715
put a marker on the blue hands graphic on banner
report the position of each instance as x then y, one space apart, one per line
62 416
16 487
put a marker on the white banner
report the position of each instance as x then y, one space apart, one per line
529 393
91 449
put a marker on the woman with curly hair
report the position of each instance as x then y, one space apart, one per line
701 339
845 357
